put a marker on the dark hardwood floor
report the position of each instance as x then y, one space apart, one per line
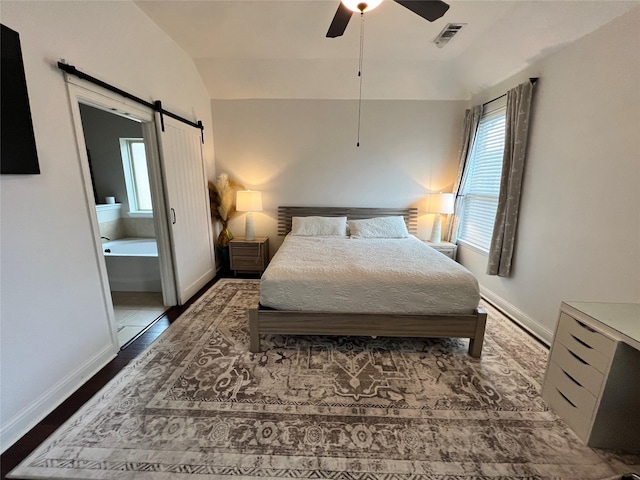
23 447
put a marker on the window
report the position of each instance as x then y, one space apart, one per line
136 175
482 180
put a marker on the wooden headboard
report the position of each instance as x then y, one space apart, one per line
285 214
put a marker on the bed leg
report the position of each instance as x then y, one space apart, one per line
254 333
475 344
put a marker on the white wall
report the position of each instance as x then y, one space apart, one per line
54 324
303 152
579 227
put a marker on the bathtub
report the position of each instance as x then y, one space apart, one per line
133 265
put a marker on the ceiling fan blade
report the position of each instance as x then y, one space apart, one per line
340 21
428 9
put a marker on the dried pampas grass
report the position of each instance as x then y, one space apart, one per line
222 196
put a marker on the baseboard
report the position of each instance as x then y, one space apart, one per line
518 316
34 413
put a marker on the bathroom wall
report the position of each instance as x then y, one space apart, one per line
102 131
138 227
110 221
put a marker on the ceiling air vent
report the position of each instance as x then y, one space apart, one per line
448 33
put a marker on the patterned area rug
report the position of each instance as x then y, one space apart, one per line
198 405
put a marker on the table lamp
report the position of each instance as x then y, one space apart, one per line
249 201
439 203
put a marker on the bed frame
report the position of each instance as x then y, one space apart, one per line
264 321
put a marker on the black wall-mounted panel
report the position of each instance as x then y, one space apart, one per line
18 154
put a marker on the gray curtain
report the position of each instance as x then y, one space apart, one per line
515 147
471 121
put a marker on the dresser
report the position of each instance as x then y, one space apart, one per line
592 380
249 256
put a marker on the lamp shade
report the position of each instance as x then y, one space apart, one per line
248 201
440 202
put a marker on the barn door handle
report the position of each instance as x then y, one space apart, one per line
173 213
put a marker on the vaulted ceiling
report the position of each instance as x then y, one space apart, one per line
278 48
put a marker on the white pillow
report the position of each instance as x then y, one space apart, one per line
319 226
379 227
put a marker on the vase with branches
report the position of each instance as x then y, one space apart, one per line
222 196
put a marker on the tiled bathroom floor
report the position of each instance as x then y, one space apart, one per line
134 311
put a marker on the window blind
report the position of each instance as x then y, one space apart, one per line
482 181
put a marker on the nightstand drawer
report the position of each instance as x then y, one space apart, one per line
245 249
588 344
582 372
448 252
246 263
446 248
249 256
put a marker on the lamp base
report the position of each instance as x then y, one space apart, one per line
249 233
436 230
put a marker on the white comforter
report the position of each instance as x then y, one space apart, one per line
333 274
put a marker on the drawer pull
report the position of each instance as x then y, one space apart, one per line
580 341
586 327
577 357
571 378
565 397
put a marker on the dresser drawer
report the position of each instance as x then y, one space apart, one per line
574 392
588 344
569 413
581 371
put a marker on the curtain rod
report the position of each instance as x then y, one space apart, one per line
156 106
533 81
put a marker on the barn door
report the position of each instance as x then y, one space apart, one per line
187 200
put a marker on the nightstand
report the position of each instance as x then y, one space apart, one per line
446 248
249 256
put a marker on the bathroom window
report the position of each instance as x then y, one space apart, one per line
136 175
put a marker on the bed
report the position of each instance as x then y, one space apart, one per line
364 286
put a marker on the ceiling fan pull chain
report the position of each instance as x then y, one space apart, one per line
360 72
361 43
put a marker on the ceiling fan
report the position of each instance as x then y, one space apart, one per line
428 9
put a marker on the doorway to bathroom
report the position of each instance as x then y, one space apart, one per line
180 217
118 166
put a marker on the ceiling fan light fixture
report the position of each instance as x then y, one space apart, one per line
360 5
